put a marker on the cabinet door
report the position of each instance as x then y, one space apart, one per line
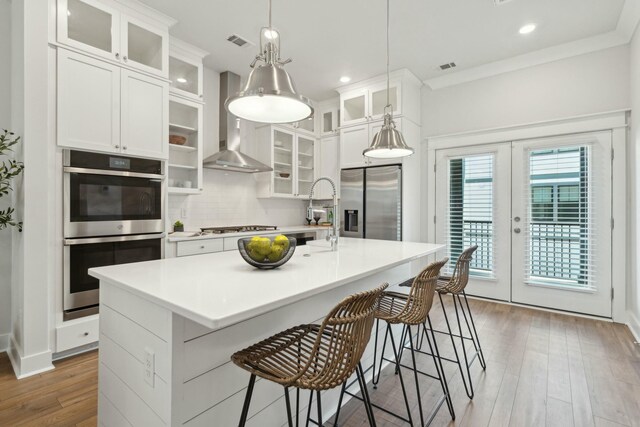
329 166
307 125
378 99
145 47
186 76
354 106
144 115
283 162
305 170
88 103
91 26
329 121
353 141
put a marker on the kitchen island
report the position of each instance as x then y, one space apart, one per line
168 327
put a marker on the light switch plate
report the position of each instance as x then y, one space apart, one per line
183 213
149 366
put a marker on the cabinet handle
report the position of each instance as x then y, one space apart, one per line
125 58
124 147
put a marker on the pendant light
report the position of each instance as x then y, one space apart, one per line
389 142
269 95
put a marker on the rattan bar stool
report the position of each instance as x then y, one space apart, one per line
314 357
410 310
455 285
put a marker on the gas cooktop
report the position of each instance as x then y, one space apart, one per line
237 229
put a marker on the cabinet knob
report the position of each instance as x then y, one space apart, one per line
86 334
116 146
124 147
125 58
202 247
117 56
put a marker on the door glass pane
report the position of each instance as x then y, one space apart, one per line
379 100
560 219
470 214
145 47
305 165
282 162
89 25
354 108
183 76
307 124
327 122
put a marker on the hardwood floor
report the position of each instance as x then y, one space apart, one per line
542 369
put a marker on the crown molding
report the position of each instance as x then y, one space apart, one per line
629 18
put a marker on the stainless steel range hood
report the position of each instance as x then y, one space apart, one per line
230 158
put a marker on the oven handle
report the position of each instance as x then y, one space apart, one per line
82 241
71 169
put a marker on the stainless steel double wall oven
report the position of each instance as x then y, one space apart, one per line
113 214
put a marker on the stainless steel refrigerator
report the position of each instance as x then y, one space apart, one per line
371 202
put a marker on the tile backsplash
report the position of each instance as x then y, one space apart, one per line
230 198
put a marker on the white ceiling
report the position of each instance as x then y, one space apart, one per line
331 38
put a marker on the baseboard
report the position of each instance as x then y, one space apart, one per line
26 366
634 325
4 342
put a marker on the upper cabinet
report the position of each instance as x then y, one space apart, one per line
328 117
292 155
124 36
186 70
365 101
103 107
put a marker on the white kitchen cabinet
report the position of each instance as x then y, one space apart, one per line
185 161
329 166
186 70
355 139
110 32
364 102
197 247
102 107
329 121
88 103
292 155
144 113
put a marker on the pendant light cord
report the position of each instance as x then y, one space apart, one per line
388 104
270 28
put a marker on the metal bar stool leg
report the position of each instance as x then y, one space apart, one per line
403 339
247 401
309 408
439 367
297 405
342 390
365 395
469 390
398 361
474 335
288 404
453 344
415 375
319 402
375 379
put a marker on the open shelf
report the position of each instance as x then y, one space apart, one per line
183 167
185 148
182 190
282 150
174 127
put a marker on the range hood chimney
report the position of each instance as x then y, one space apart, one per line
230 158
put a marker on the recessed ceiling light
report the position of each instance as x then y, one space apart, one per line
345 79
181 80
527 29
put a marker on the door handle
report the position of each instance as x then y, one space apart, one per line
517 230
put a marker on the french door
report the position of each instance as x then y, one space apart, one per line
539 211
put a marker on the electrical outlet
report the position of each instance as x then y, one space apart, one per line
149 366
183 213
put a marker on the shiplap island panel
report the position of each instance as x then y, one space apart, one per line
170 326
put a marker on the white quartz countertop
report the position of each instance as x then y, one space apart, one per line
291 229
220 289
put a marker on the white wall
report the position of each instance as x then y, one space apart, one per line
633 164
5 121
230 198
585 84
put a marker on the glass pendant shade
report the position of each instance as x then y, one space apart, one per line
269 97
388 143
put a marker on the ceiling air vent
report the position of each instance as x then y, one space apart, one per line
448 66
238 41
499 2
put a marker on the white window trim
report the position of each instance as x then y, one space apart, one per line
614 121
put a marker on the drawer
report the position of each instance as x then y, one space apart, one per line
200 247
76 333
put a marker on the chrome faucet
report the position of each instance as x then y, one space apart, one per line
334 233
